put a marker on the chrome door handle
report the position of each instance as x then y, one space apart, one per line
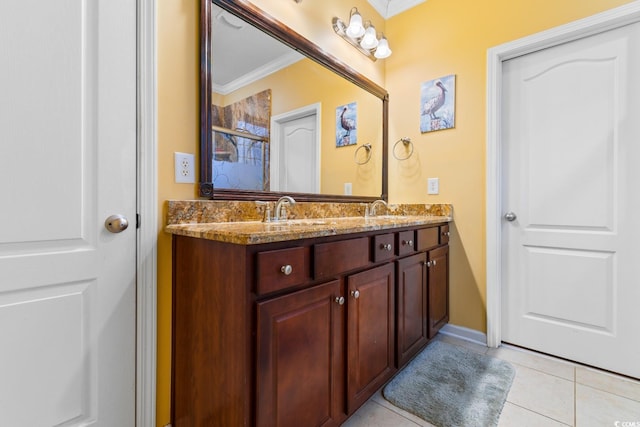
510 216
116 223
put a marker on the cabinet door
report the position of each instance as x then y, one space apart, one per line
438 282
299 358
412 310
370 332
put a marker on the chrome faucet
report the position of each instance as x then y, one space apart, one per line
371 211
280 212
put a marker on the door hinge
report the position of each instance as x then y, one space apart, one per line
137 220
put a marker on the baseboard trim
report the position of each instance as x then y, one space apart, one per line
463 333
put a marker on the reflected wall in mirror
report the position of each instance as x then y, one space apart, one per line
269 114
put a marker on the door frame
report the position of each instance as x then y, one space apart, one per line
277 123
147 209
607 20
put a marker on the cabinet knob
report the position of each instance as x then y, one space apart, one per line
355 294
433 262
407 242
428 263
286 269
446 233
340 300
386 246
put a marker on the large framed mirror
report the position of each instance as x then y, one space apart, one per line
281 116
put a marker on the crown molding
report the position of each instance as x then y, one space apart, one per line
277 64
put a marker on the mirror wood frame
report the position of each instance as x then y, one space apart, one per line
269 25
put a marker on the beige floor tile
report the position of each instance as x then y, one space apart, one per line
515 416
608 382
379 398
533 360
543 393
596 408
371 414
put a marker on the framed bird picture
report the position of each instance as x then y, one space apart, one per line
437 104
346 125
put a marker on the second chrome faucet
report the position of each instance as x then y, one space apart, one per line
280 213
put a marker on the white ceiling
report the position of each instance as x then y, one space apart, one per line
241 54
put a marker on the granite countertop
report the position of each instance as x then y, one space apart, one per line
256 232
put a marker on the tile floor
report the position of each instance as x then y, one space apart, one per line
545 392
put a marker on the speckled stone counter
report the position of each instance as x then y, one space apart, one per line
241 222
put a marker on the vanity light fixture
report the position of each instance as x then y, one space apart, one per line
362 36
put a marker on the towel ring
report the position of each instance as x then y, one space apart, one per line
366 147
407 143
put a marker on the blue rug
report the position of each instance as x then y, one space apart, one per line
449 386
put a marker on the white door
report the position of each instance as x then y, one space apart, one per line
295 153
571 138
67 162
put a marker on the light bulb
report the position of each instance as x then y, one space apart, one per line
355 28
383 50
369 41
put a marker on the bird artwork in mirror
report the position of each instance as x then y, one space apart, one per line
346 125
437 104
268 98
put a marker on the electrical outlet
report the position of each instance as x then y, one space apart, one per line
184 167
433 186
348 189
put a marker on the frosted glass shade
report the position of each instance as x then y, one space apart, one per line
355 28
383 50
369 41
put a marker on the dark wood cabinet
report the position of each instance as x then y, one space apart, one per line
422 293
300 332
438 284
412 307
370 332
299 358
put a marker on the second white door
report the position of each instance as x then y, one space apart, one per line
571 235
295 154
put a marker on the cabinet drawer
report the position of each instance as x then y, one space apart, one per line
383 247
428 238
336 257
406 242
281 269
444 234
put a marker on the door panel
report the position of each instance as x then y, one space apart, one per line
295 163
68 135
298 352
370 332
570 158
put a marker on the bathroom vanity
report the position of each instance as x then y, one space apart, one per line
299 323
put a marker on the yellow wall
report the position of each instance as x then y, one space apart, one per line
178 130
305 83
436 38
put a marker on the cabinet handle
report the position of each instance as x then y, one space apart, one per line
428 263
446 233
286 269
340 300
355 294
386 246
434 262
407 242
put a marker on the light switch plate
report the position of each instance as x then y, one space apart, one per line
433 186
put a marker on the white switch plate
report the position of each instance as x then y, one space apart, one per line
348 189
184 167
433 186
